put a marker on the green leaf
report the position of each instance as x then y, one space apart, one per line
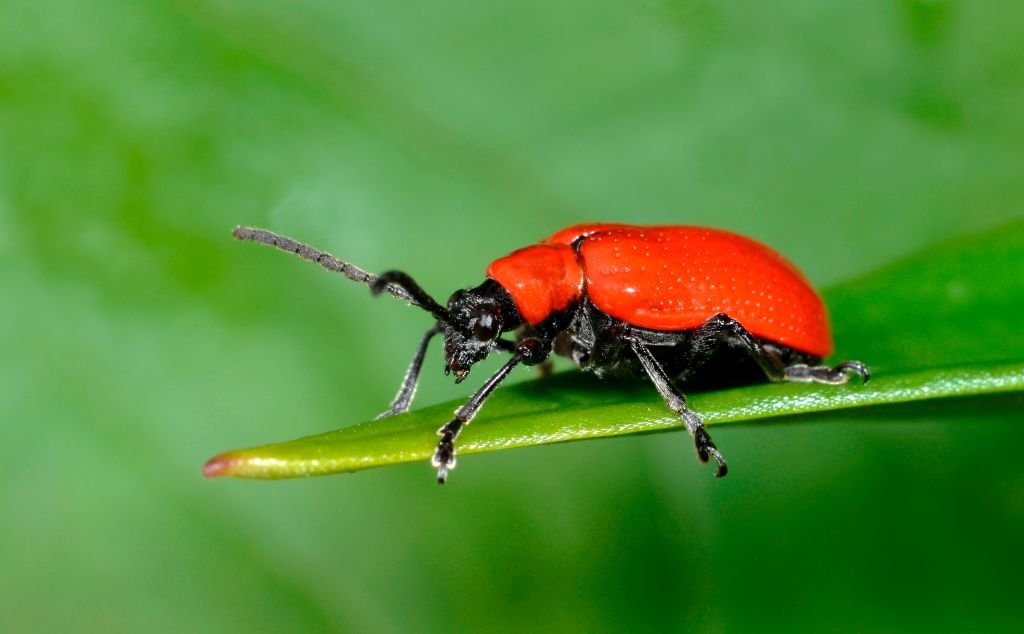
957 303
932 326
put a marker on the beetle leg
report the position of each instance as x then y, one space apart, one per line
444 455
529 351
536 355
505 345
403 400
834 375
677 403
712 331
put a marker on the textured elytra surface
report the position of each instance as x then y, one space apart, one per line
675 278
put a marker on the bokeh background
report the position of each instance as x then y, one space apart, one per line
137 339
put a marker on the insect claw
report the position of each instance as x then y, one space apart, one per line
721 469
443 463
707 451
855 368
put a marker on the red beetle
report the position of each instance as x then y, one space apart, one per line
691 305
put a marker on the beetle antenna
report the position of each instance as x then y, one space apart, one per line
332 263
421 297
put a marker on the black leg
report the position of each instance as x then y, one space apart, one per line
403 400
834 375
677 403
444 455
721 325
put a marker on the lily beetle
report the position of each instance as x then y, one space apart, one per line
678 305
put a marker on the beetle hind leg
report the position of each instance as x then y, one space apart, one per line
721 325
829 375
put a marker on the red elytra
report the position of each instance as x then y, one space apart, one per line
667 278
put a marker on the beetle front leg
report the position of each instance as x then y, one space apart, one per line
677 403
403 400
444 455
529 351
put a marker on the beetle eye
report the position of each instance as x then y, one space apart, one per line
486 324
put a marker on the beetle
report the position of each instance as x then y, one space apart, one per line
677 305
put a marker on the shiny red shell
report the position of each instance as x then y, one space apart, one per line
542 279
667 278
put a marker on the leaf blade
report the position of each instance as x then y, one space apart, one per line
411 438
931 326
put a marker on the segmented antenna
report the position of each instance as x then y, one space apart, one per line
421 297
317 256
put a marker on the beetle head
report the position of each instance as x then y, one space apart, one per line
476 318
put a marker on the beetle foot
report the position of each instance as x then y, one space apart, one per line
391 411
706 450
835 375
444 456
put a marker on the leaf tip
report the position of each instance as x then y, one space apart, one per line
223 464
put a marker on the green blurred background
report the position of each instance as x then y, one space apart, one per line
138 339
